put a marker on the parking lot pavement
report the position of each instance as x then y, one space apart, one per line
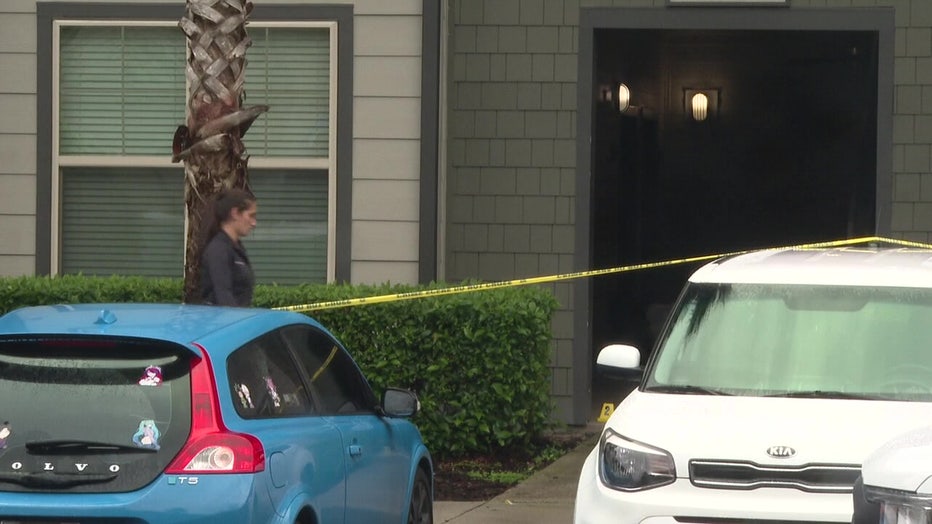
545 497
447 511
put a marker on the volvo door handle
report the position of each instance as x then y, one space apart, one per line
355 450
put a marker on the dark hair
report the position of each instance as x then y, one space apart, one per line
228 200
219 209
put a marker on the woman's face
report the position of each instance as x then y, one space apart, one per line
244 221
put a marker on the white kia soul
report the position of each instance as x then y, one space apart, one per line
777 373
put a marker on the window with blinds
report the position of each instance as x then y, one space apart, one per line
122 90
122 221
289 69
122 94
289 244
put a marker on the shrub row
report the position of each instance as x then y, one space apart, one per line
479 360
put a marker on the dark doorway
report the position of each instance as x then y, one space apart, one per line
787 154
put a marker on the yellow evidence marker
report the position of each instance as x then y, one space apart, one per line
607 409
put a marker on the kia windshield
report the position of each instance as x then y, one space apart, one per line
798 341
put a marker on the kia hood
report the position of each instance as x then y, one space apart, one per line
731 428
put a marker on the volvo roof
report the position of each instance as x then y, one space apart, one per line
182 324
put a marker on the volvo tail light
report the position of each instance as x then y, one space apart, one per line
211 447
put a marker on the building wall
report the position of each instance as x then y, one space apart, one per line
386 140
386 136
511 168
17 137
912 120
512 153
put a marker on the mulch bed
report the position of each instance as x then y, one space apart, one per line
453 482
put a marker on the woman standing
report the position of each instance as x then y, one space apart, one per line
226 275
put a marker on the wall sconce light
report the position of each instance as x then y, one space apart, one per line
622 97
701 104
616 94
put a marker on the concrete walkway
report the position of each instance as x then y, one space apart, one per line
545 497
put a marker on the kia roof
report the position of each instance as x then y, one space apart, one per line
860 266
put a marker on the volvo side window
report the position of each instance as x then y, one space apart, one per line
265 382
336 385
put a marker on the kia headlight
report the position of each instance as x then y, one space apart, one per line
627 465
897 514
900 507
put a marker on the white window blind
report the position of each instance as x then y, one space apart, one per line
122 90
289 244
289 69
122 221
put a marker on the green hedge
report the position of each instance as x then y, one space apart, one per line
480 359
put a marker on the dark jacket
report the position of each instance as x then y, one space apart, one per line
226 275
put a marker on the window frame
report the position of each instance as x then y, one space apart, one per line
51 16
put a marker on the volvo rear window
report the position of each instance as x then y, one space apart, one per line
90 414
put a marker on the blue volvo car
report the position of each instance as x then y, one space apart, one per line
143 413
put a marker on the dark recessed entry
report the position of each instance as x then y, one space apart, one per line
784 152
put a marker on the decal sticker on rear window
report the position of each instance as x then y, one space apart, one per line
4 434
151 377
147 436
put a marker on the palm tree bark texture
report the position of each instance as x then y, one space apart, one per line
210 143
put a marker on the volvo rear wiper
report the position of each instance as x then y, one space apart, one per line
84 447
684 389
55 480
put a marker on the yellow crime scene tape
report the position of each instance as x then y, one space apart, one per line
379 299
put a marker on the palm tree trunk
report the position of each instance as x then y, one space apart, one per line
210 144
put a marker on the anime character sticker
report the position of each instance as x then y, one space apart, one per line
148 435
151 377
5 432
245 398
273 391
